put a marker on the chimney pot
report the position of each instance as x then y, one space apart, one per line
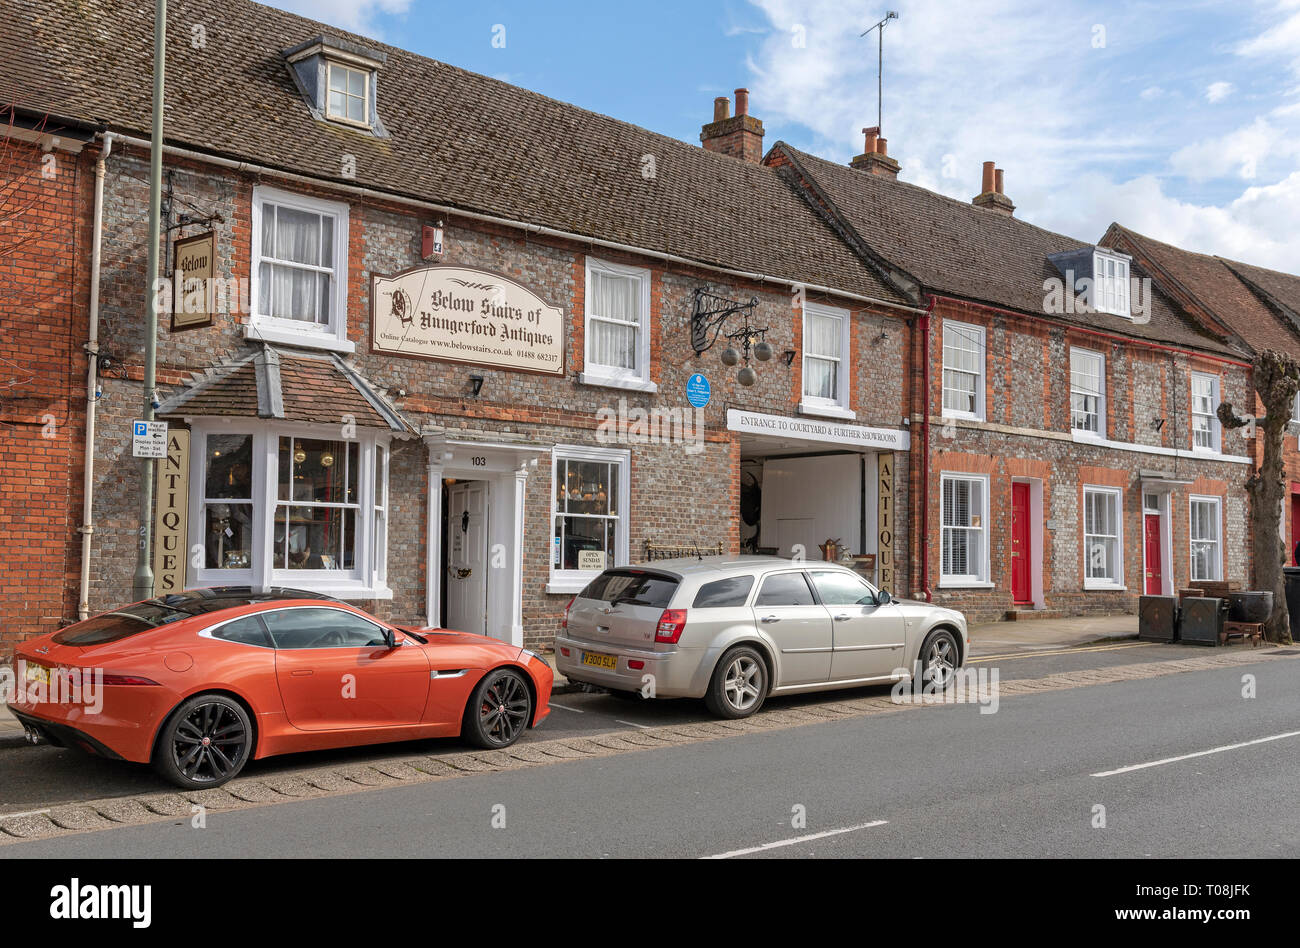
997 180
882 147
987 184
739 135
872 133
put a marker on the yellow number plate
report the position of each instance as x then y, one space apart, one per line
599 660
38 673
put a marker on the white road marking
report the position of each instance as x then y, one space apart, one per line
1212 750
14 816
797 840
565 707
632 723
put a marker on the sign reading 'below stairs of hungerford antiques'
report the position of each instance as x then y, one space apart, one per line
464 314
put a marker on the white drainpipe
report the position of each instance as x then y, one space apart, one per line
92 383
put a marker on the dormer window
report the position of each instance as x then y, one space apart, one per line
349 94
1110 284
338 80
1098 277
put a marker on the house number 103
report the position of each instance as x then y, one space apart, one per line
479 462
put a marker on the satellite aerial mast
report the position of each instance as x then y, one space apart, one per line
880 64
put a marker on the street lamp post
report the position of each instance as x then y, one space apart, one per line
143 583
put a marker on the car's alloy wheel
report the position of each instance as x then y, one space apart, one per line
739 684
205 743
939 659
500 710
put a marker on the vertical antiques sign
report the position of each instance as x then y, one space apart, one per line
192 278
463 314
171 512
885 521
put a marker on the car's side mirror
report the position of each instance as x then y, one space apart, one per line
391 639
883 598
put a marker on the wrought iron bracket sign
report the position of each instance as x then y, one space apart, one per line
709 314
708 318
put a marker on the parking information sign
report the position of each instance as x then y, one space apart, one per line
149 439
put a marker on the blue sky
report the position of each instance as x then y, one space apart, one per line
1178 119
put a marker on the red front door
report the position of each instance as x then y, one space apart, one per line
1020 590
1155 584
1295 527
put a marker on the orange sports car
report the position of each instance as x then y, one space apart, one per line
200 682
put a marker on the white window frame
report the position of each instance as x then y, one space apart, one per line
1110 294
333 116
574 580
1215 430
1100 414
969 333
980 579
1116 495
1216 543
837 407
613 375
360 582
263 327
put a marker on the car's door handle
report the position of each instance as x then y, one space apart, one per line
842 616
300 673
770 619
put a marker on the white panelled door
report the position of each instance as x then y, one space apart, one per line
467 564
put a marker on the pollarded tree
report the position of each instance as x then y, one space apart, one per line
1277 379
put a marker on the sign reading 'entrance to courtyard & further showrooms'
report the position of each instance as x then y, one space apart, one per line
464 314
813 429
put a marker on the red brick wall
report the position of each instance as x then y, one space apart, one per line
1029 437
42 366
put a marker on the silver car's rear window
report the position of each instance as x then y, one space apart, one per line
633 586
732 591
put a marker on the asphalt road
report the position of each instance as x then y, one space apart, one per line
948 781
36 777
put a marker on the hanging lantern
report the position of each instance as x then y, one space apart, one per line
763 351
747 376
730 357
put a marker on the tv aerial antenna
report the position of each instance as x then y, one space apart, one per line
880 64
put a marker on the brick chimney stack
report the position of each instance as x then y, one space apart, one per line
991 196
739 135
875 155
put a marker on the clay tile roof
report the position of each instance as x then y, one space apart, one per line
1215 284
453 137
955 248
287 384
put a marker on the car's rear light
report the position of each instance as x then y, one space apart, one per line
564 651
670 627
635 664
564 623
128 680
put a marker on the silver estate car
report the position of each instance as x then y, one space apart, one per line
733 630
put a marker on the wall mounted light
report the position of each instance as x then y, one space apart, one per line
476 385
789 355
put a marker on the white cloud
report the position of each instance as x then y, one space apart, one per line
1218 91
1087 136
355 15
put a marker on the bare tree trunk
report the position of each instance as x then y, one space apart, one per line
1277 379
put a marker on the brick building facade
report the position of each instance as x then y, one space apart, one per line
1055 468
420 476
43 288
1058 461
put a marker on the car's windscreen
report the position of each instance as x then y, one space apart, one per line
633 587
112 626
